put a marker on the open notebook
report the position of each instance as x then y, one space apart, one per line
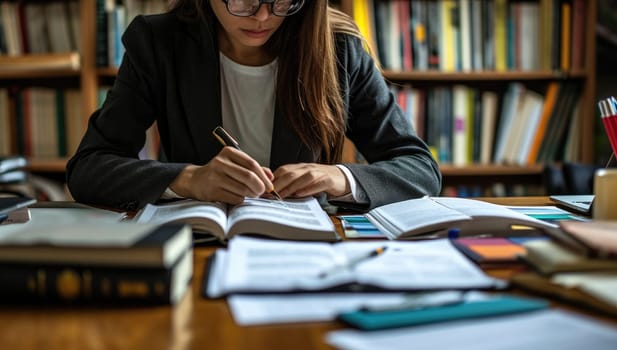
578 203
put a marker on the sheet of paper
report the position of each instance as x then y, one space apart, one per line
248 310
267 265
551 329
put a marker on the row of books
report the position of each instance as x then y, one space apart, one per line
39 27
465 125
40 122
112 18
464 35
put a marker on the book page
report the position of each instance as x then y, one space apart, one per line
209 217
290 219
414 216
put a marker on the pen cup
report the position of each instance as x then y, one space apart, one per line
605 191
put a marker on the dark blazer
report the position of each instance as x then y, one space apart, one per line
170 74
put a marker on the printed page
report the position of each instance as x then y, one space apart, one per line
551 329
413 217
304 212
271 266
290 219
434 264
267 265
210 217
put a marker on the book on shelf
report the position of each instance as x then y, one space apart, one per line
252 265
444 216
95 261
292 219
47 62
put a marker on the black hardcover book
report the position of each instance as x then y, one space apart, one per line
28 283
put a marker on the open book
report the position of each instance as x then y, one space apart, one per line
441 215
252 265
292 219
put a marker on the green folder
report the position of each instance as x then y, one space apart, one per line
492 306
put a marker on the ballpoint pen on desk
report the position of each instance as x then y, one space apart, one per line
226 140
353 262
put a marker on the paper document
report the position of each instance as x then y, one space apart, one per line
551 329
256 265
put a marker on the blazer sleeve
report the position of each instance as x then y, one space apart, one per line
400 165
116 133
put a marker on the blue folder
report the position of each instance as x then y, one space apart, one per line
499 305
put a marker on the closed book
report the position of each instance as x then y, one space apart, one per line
549 256
113 244
31 282
94 261
589 289
597 237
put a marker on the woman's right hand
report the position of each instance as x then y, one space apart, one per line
229 177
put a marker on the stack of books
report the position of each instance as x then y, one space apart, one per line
95 261
578 265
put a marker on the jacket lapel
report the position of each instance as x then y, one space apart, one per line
286 146
199 82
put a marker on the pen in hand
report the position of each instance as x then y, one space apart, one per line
353 262
226 140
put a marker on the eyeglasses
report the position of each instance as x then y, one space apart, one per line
246 8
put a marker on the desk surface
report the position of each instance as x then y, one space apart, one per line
195 323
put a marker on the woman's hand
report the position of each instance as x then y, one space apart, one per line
308 179
229 177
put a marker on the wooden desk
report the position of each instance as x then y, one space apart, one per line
195 323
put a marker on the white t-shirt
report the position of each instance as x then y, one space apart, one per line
247 97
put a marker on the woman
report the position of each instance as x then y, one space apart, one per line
289 79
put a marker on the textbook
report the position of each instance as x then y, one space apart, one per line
101 243
444 216
292 219
253 265
550 256
102 262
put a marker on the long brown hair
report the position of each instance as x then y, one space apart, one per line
308 92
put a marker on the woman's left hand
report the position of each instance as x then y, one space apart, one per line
308 179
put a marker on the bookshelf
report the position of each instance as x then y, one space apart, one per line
474 173
88 78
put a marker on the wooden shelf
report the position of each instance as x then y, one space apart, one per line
434 75
47 165
490 170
